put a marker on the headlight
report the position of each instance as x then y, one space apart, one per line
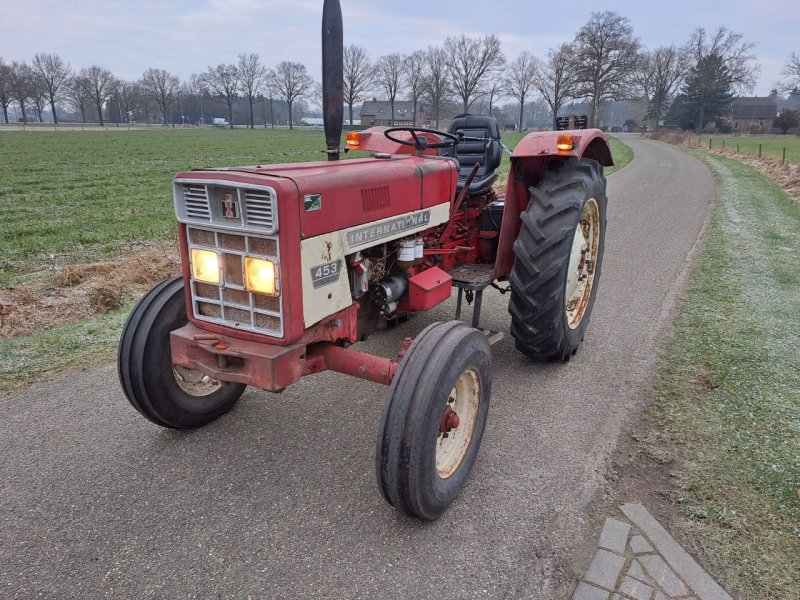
205 266
260 276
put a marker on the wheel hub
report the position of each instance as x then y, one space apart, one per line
582 263
194 382
457 423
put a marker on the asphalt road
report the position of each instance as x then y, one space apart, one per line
278 500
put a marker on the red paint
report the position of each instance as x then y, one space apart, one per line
427 289
449 420
350 362
589 143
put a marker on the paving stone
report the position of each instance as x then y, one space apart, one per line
663 575
604 569
702 584
639 545
614 535
637 572
636 589
584 591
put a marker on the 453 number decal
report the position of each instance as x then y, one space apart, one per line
326 274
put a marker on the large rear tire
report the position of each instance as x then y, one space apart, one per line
168 395
559 255
433 419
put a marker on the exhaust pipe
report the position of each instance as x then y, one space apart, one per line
332 76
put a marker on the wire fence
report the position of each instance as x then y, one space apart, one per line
786 150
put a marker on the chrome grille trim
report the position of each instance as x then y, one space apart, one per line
197 201
195 198
220 303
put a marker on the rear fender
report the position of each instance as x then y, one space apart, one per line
530 158
373 140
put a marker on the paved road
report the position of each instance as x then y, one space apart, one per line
278 499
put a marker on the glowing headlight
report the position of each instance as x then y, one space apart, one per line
205 266
260 276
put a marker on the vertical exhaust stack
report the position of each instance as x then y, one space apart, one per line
332 76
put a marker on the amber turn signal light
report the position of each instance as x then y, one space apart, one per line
565 143
353 138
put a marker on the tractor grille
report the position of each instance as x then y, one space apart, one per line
230 303
227 205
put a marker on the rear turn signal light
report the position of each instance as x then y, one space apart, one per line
565 143
205 266
260 276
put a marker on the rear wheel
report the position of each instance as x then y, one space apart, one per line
167 394
433 419
559 254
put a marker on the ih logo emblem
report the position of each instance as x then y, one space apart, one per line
230 207
313 202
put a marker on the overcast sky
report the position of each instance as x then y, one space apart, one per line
186 37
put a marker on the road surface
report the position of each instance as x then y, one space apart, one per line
278 500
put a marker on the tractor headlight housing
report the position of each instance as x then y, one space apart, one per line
205 266
260 277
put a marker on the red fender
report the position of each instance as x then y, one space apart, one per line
529 159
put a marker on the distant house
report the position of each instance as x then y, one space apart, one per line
379 112
753 113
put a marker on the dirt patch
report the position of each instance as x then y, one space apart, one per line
68 293
785 175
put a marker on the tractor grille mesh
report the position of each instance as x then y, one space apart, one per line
227 206
229 303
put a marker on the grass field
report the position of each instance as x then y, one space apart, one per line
771 145
84 194
728 386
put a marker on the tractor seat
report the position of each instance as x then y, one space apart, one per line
481 145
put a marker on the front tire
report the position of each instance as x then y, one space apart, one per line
424 453
559 255
167 395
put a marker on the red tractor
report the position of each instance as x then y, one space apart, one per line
286 266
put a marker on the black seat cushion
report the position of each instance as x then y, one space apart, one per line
479 143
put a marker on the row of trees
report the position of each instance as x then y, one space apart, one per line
691 85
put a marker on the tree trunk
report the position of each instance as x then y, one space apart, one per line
414 100
252 125
165 114
230 114
22 108
271 115
521 112
350 109
465 106
392 103
53 108
83 114
291 125
5 113
100 113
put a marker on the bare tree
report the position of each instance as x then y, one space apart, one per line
555 78
359 74
520 80
435 82
21 84
292 82
660 74
414 72
78 96
470 61
605 58
99 85
130 96
271 91
223 82
790 73
6 95
723 48
55 74
39 95
162 87
389 77
252 75
495 89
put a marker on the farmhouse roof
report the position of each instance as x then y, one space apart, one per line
383 109
754 108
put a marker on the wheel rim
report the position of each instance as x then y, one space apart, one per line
582 264
454 441
195 383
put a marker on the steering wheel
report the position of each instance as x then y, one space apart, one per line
421 143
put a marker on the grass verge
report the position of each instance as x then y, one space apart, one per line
27 359
727 390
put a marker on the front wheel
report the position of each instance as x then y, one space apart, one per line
167 394
433 419
559 254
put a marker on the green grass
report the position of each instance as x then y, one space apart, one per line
728 388
27 359
84 194
771 145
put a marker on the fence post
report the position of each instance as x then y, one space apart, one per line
723 144
783 160
759 151
709 143
737 148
